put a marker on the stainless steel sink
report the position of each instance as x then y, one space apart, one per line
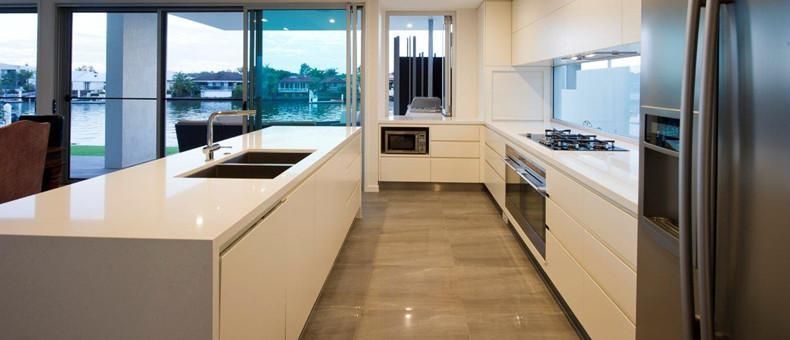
241 171
267 157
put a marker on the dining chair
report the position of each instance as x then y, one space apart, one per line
23 150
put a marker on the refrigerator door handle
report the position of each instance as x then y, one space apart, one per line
688 319
706 170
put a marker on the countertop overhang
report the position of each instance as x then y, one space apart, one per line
151 201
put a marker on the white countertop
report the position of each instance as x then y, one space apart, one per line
438 119
612 174
150 201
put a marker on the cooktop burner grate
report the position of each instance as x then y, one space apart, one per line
566 140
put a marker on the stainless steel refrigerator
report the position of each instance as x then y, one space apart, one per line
714 224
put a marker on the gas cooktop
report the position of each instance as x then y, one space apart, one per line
566 140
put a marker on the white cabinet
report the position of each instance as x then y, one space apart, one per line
404 169
495 28
455 170
543 30
494 184
614 277
253 282
598 314
271 277
614 227
455 149
454 157
454 133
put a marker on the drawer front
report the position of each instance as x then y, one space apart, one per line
496 142
598 314
404 169
607 270
601 317
495 185
455 170
611 225
455 132
565 273
455 149
495 160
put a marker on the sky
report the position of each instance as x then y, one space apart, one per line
192 46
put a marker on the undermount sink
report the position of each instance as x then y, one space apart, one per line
241 171
267 157
253 164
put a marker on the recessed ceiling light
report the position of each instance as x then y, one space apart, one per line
265 20
409 25
285 28
591 55
331 21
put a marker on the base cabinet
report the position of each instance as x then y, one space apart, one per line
271 277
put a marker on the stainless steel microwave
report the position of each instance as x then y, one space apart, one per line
404 140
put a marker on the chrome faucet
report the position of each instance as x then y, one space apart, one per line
210 145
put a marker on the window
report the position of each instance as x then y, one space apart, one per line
601 95
419 60
203 74
17 65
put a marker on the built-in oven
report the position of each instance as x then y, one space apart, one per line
404 140
525 197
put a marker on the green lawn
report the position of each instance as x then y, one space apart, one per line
98 150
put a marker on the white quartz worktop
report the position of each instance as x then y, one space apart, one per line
612 174
438 119
151 201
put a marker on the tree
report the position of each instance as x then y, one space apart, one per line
305 69
15 79
183 86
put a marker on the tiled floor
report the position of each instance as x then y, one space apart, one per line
433 265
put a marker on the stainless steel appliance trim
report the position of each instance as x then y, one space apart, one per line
684 191
524 174
706 170
420 142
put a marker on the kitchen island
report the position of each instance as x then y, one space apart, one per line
148 252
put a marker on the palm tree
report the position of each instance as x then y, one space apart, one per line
183 86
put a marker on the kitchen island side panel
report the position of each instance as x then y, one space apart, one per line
101 288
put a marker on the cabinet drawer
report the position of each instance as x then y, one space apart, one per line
495 160
607 270
597 313
495 185
496 142
455 132
404 169
455 149
455 170
565 273
611 225
601 317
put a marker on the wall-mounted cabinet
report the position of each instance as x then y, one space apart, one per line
543 30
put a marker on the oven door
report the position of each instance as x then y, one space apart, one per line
525 199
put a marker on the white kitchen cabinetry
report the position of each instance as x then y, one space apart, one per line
253 282
454 157
543 30
611 225
271 277
495 28
598 314
494 169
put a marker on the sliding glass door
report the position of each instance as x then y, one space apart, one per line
113 92
139 83
303 67
204 71
17 63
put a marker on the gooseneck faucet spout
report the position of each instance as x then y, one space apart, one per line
210 145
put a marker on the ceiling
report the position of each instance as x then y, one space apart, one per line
429 5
